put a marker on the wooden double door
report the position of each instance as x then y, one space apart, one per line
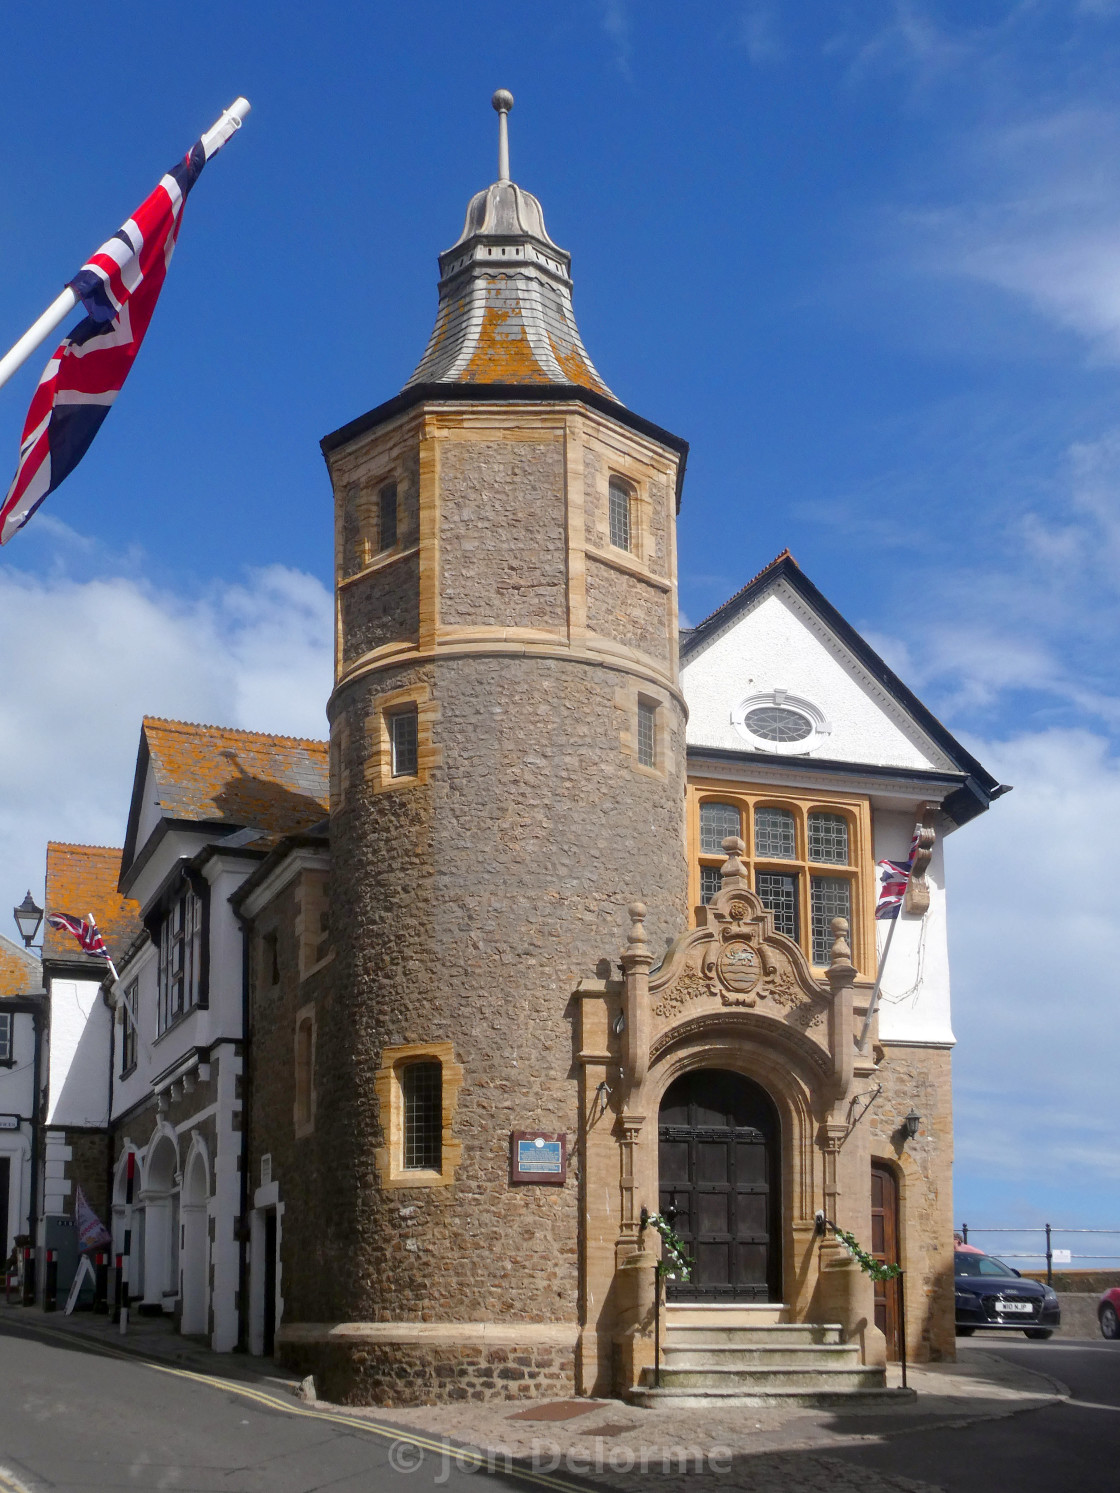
718 1159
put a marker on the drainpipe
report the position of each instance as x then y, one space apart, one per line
246 1095
37 1025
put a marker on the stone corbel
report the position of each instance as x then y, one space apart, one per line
917 890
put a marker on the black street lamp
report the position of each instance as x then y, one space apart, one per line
28 917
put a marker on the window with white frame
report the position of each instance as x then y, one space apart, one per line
5 1036
128 1030
619 499
180 959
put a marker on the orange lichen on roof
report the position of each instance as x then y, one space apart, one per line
575 369
277 784
503 353
20 971
82 879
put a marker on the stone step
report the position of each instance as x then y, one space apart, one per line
735 1399
769 1334
741 1314
824 1356
767 1381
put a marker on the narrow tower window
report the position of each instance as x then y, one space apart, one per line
620 513
422 1085
647 734
402 732
387 516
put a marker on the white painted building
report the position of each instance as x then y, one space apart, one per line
21 1022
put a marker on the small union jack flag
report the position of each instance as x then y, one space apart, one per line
894 878
119 287
85 932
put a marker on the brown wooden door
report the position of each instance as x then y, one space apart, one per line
884 1248
718 1157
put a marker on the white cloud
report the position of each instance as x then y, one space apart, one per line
1033 933
85 660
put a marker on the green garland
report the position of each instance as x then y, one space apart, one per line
679 1262
865 1262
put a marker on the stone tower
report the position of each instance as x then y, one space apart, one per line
507 774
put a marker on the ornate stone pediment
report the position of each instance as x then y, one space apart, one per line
737 960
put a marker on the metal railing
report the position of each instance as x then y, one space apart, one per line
1049 1230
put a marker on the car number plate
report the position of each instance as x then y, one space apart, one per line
1014 1306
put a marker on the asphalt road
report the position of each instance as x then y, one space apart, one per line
72 1421
1073 1447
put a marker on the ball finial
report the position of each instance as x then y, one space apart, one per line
502 101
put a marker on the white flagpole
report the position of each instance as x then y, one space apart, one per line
62 305
879 978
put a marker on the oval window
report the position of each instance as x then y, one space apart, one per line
777 723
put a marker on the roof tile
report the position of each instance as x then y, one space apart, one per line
82 879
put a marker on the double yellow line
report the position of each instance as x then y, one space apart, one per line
285 1405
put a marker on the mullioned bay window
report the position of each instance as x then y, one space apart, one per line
179 972
807 862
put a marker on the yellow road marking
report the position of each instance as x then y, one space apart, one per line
275 1402
9 1483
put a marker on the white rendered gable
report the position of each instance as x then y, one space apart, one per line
780 643
150 811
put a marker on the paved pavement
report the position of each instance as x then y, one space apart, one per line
78 1412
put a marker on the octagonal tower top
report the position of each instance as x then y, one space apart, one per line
505 294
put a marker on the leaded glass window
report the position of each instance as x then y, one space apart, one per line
710 883
774 837
777 723
402 730
422 1085
717 822
778 893
647 734
828 838
619 496
829 897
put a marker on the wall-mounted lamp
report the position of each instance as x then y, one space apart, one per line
911 1123
619 1021
28 916
603 1094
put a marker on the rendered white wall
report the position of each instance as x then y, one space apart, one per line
914 1000
780 644
80 1030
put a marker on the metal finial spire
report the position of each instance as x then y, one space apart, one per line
503 103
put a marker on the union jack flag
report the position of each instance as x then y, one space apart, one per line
85 932
894 878
119 287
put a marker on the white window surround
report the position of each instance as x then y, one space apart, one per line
820 728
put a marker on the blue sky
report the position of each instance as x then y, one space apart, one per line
864 257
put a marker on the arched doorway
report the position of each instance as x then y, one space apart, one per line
718 1161
159 1238
196 1241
